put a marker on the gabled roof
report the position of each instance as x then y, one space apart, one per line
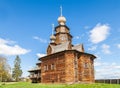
60 47
79 48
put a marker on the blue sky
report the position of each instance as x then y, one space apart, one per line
25 28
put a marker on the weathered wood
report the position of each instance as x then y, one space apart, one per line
69 68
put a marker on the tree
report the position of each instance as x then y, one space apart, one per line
4 69
17 72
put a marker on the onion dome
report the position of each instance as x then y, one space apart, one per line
52 38
61 20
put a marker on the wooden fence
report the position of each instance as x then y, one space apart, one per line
109 81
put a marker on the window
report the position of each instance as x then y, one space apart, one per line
45 68
86 65
52 66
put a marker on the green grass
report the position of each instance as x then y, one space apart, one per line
31 85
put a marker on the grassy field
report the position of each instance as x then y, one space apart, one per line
30 85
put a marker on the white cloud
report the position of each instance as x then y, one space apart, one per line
3 41
77 37
99 33
99 63
106 70
40 39
118 45
7 47
86 27
40 55
105 49
93 48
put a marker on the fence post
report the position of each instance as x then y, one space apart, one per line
117 81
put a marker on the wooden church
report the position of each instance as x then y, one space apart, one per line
64 62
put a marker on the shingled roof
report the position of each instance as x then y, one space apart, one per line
79 48
60 47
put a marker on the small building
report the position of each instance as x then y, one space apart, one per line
64 62
35 73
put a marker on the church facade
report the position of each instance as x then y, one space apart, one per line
64 62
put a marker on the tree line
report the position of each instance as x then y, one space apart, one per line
10 74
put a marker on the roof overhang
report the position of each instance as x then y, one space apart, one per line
80 53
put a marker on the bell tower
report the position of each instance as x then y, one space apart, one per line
62 31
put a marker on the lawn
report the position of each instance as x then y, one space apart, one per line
30 85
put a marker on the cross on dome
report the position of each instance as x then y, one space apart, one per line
52 37
60 10
52 28
61 19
